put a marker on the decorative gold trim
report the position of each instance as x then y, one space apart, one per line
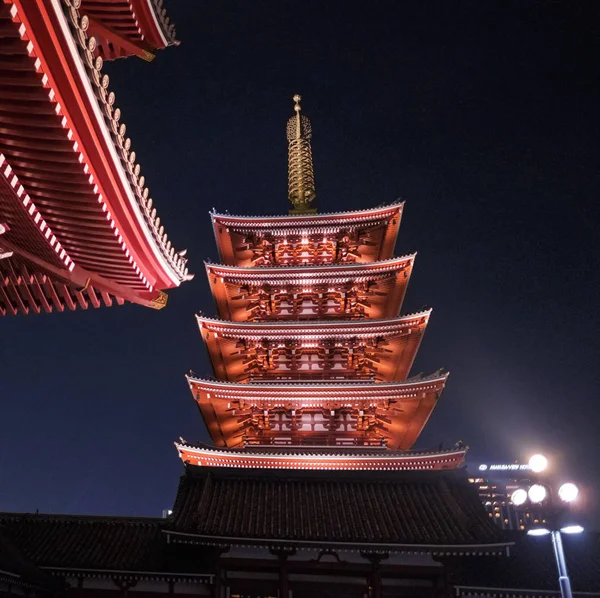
301 176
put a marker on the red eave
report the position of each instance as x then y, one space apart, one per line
230 230
36 273
315 330
62 137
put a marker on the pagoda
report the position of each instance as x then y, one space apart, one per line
312 410
311 348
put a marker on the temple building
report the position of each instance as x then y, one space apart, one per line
78 227
311 485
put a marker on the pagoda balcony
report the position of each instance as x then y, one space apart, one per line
382 350
325 413
344 237
341 291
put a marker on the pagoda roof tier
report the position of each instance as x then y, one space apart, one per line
356 236
128 27
359 413
395 511
65 162
382 350
320 458
374 290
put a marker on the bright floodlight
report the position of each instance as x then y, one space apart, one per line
568 492
518 497
538 463
571 529
538 531
537 493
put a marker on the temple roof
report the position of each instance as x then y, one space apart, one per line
379 510
133 548
111 546
374 231
130 544
65 158
382 349
17 569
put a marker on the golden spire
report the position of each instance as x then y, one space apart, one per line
301 176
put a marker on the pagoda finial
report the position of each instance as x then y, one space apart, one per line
301 176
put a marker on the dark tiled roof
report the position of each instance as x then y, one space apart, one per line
16 568
81 542
531 566
375 507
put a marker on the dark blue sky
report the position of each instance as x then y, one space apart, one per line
483 116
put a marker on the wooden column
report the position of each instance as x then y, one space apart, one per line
284 590
216 590
374 579
282 555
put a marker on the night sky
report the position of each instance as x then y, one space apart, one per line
483 116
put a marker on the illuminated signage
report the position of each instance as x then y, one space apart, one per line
505 467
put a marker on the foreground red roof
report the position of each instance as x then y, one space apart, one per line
66 167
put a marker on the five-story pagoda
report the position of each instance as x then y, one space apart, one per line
311 409
311 349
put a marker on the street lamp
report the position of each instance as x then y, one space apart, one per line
538 463
539 493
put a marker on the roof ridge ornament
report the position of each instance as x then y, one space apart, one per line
301 176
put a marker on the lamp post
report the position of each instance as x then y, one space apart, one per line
538 494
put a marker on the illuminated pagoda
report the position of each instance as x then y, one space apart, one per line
78 227
313 413
310 488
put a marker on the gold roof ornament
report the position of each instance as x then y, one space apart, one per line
301 176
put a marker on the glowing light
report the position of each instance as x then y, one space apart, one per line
572 529
518 497
538 531
537 493
538 463
568 492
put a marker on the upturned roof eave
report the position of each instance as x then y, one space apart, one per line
304 217
285 386
124 169
328 270
308 326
